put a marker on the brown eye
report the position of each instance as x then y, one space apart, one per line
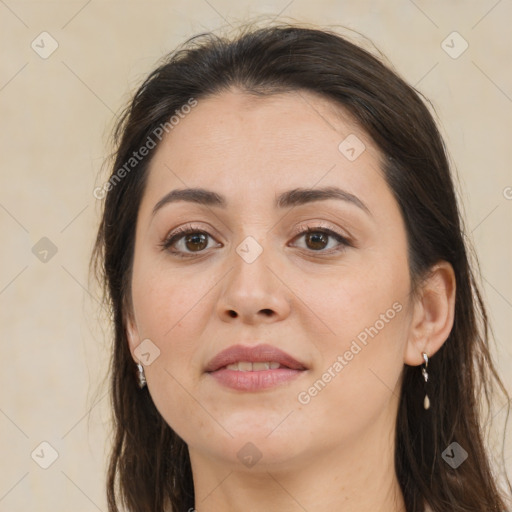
316 240
187 241
196 242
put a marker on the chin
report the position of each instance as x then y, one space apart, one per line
260 445
255 453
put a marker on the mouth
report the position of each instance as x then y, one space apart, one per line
254 368
248 366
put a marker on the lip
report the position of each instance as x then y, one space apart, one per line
254 380
255 354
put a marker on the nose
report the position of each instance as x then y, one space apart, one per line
254 292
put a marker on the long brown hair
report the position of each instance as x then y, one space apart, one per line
149 467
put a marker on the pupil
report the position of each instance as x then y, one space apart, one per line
195 239
315 237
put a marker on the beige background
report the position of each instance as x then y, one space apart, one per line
56 114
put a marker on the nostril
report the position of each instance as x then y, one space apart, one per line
267 312
232 313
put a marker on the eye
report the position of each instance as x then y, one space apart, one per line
316 239
186 241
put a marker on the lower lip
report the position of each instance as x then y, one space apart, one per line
254 381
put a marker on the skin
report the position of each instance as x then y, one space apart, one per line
336 451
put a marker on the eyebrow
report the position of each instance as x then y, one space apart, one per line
294 197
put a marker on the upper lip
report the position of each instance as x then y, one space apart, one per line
255 354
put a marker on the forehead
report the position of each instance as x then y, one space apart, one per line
251 146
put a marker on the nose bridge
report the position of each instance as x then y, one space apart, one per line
251 261
252 287
252 236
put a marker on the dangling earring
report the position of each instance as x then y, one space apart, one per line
426 401
141 378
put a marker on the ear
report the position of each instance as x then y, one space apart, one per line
433 313
132 335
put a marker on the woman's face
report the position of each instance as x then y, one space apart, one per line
335 300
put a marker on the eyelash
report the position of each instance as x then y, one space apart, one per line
181 232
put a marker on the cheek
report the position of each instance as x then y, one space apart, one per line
168 308
367 310
356 300
163 295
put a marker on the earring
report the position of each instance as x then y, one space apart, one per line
426 401
141 378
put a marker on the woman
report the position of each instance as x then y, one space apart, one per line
297 326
